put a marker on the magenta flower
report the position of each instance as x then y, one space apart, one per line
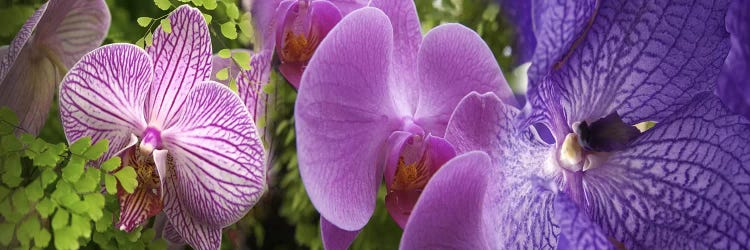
191 140
50 42
295 28
375 101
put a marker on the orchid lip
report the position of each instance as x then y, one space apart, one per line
151 140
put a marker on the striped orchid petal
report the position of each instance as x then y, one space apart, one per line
182 59
218 158
233 69
53 39
181 225
102 96
250 84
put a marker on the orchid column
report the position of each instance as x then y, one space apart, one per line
191 140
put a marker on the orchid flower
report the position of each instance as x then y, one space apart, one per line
592 181
50 42
374 103
519 15
295 28
191 141
734 82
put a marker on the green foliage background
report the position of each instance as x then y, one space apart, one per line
283 219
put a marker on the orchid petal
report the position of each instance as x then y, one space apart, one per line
682 185
520 16
734 82
182 59
250 84
137 207
20 41
407 37
335 238
449 212
264 15
233 69
73 28
643 60
516 215
343 116
102 96
187 227
219 159
578 231
347 6
454 61
170 234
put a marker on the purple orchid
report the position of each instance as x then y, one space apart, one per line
592 181
519 14
191 140
50 42
374 103
734 82
295 29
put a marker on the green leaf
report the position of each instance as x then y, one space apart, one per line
7 211
6 233
80 225
41 239
245 24
149 39
96 150
111 184
225 53
64 194
12 166
242 59
111 164
34 191
208 18
65 239
198 2
229 30
210 4
140 43
166 25
45 207
163 4
10 143
60 219
232 11
20 202
127 178
96 205
48 177
27 230
79 147
144 21
8 121
223 74
105 222
74 169
89 182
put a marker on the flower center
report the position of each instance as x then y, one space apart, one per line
298 48
151 140
146 200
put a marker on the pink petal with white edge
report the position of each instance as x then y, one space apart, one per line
454 61
219 158
182 59
102 96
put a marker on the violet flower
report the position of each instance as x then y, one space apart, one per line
682 184
374 102
50 42
734 82
191 140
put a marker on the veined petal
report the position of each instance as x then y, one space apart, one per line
233 69
102 96
343 117
347 6
335 238
407 37
170 234
643 59
449 213
519 15
72 28
734 82
182 59
219 158
454 61
135 208
682 185
192 231
250 84
265 19
517 215
19 41
577 229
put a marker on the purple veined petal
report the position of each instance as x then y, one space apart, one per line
578 231
233 69
640 64
73 28
454 61
250 84
520 216
343 117
335 238
181 225
219 158
520 16
102 96
407 37
449 212
182 59
734 81
682 185
347 6
20 41
558 27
